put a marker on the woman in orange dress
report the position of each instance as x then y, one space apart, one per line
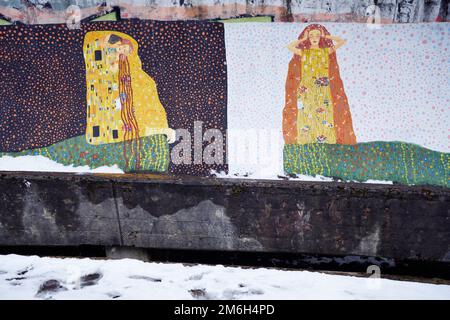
316 108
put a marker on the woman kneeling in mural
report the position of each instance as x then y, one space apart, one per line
316 108
122 100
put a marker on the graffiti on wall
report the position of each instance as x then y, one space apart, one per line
122 100
113 93
51 11
338 101
318 129
387 11
316 108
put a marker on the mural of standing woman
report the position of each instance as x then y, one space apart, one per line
316 108
318 130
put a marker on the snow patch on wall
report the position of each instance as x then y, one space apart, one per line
43 164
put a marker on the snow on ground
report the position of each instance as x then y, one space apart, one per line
23 277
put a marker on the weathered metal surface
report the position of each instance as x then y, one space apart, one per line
157 211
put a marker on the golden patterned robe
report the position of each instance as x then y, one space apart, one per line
315 107
104 123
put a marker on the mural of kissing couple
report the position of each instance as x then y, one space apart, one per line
122 100
115 93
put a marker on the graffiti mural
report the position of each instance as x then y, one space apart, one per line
51 11
386 11
318 130
112 93
316 108
328 101
349 103
122 100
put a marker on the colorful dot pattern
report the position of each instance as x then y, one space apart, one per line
43 85
154 154
390 161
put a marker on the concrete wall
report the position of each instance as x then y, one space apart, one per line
238 215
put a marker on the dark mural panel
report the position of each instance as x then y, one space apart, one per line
43 96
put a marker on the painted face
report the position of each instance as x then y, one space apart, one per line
114 50
124 49
314 37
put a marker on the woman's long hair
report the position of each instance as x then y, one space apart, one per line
127 114
341 111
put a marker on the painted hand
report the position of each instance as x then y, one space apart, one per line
171 135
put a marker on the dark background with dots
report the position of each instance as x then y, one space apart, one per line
42 82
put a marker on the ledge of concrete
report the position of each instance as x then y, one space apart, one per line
160 211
